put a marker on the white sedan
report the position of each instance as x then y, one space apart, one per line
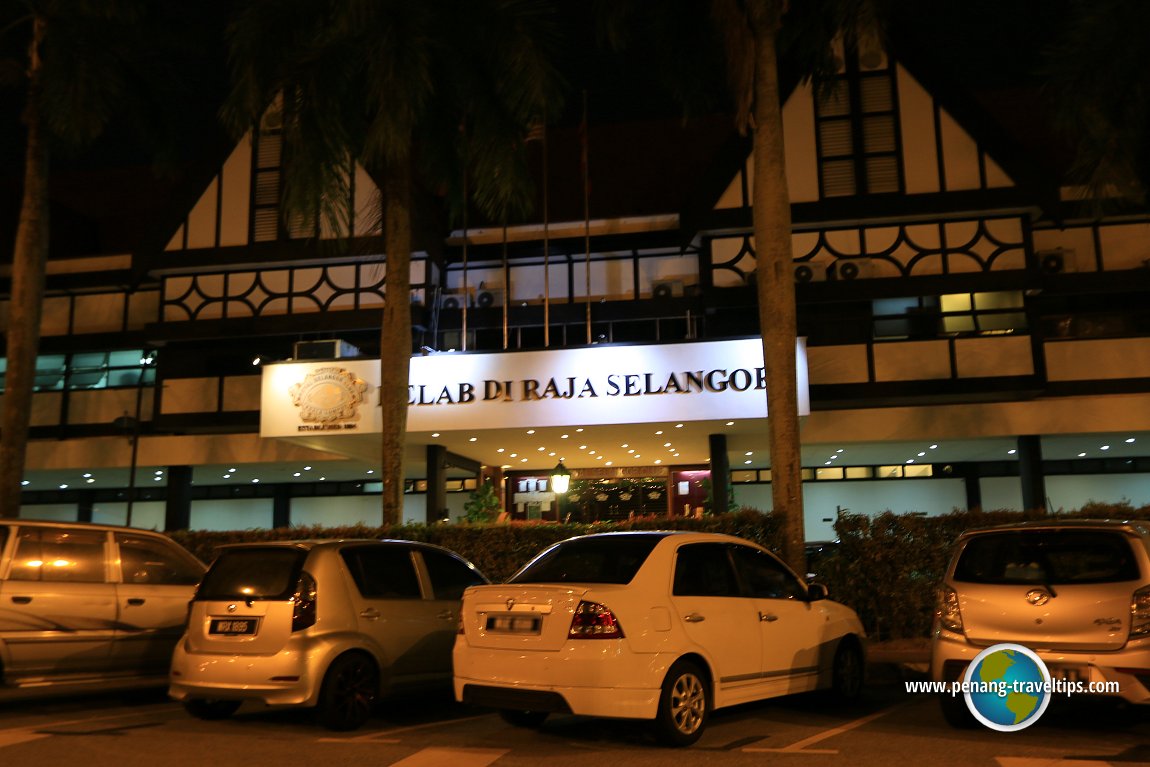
661 626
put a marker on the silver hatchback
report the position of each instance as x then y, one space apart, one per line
1075 592
328 624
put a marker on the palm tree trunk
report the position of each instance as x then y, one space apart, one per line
775 283
395 335
29 263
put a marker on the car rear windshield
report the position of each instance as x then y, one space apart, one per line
605 559
253 573
1047 557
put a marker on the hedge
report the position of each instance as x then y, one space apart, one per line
887 567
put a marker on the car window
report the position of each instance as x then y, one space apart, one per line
765 577
59 555
147 560
263 572
449 575
383 572
595 559
1047 557
704 570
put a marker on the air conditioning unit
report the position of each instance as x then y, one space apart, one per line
667 289
326 349
489 298
808 271
1056 261
853 268
453 299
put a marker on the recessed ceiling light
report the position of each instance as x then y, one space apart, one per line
307 468
541 449
598 458
552 454
666 444
658 460
1104 447
658 432
297 474
25 482
910 460
530 431
590 452
826 463
473 439
1131 439
154 479
227 476
500 450
934 447
582 447
678 426
158 472
64 487
231 471
638 456
632 450
1082 455
609 463
579 429
1012 451
522 460
90 480
624 445
749 452
321 479
746 462
371 471
920 455
514 455
564 436
730 423
840 449
434 434
87 474
256 481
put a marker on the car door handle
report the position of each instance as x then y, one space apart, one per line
136 601
370 614
694 618
22 600
768 617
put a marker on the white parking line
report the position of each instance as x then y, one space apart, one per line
452 757
800 747
383 736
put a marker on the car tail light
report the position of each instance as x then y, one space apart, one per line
303 614
594 621
1140 613
947 610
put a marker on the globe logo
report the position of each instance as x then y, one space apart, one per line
1007 687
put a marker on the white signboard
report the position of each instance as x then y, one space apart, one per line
586 386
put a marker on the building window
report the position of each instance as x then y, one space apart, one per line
857 129
91 370
954 314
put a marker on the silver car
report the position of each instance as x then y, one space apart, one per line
86 606
1075 592
333 625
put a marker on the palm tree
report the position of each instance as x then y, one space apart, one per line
76 58
755 36
429 92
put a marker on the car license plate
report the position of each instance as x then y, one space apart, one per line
232 626
515 624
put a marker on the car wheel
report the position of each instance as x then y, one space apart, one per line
210 708
956 712
684 705
523 718
349 692
847 672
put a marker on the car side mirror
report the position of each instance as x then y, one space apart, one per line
816 591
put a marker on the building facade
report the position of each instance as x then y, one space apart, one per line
971 341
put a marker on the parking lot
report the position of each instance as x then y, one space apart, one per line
890 726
